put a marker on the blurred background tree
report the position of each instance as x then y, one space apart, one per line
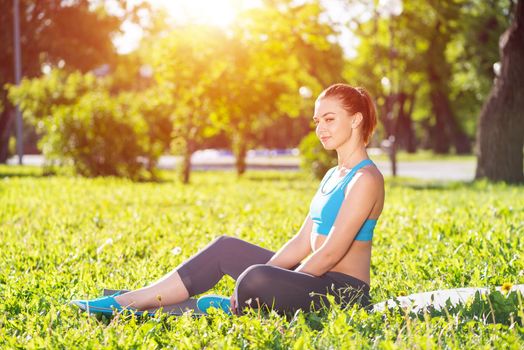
277 50
429 80
100 134
252 82
189 66
501 126
66 34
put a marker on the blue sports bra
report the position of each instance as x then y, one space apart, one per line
326 205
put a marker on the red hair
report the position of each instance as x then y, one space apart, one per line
354 100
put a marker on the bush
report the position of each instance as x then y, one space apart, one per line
98 133
314 157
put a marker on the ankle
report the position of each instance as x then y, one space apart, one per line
120 299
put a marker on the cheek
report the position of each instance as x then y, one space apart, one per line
336 129
342 132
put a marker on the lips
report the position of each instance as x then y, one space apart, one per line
324 139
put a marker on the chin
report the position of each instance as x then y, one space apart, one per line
328 148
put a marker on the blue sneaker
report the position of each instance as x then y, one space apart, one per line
216 301
104 305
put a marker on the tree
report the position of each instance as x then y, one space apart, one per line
472 52
276 50
431 60
67 34
501 126
188 65
79 118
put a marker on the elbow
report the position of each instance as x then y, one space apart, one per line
330 259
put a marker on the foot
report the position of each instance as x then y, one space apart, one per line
103 305
216 301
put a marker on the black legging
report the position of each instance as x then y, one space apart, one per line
258 284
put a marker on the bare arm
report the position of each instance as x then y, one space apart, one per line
364 193
296 249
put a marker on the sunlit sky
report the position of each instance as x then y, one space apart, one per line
221 13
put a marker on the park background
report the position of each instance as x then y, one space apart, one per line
112 95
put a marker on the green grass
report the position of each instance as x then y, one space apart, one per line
67 237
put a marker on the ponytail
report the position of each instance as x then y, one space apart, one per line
371 118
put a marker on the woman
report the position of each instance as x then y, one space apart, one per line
336 234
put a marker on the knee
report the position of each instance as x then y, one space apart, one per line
253 280
222 238
252 287
223 241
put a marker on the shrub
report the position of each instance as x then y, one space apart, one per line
98 133
314 157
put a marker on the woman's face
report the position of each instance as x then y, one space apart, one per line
333 124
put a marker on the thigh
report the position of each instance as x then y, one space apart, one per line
237 255
225 255
282 289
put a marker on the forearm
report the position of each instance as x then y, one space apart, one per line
290 254
317 264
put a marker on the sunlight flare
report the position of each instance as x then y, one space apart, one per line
219 13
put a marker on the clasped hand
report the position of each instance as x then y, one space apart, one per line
233 302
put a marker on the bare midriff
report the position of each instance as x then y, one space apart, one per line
356 262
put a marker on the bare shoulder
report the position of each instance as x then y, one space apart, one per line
369 179
374 173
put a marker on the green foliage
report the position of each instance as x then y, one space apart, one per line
188 65
447 54
37 98
151 115
51 33
314 158
74 35
495 307
85 133
271 62
240 81
472 52
64 238
99 134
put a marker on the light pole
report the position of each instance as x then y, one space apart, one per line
18 77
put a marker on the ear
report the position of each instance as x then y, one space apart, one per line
357 120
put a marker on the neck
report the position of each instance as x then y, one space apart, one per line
350 153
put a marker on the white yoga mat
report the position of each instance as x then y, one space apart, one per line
436 298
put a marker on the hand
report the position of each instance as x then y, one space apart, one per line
233 304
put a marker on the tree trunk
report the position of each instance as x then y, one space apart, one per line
439 132
6 121
387 116
240 151
390 125
500 132
186 161
404 134
446 129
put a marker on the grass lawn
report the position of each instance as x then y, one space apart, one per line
67 237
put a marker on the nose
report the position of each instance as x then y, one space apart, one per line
320 127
